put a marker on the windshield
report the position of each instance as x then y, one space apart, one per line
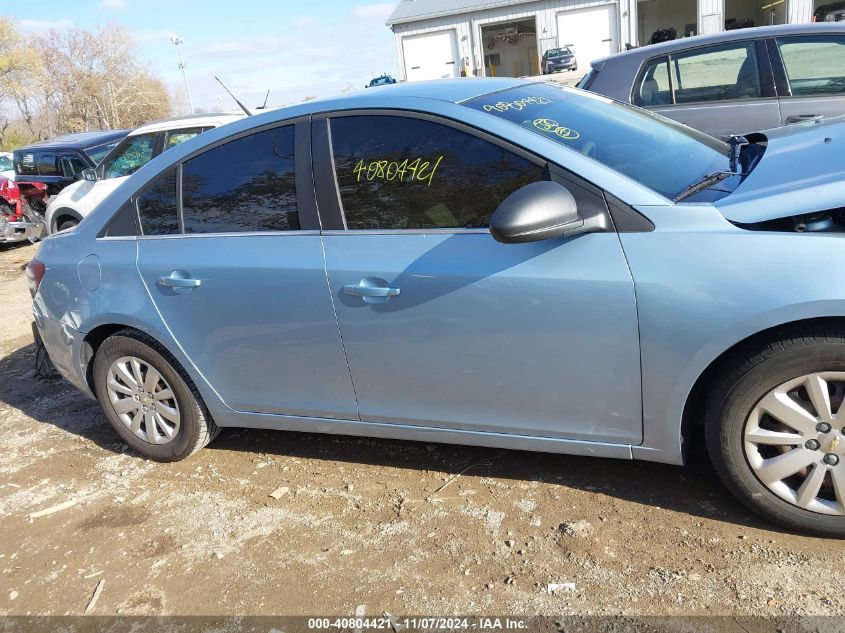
661 154
5 163
558 52
97 153
129 156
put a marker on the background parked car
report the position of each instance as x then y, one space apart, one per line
557 59
733 82
381 80
21 210
138 148
833 12
7 167
58 162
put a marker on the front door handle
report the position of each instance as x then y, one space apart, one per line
372 290
179 281
802 118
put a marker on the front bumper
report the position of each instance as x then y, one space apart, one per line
18 231
567 65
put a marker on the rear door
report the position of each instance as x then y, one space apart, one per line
232 258
444 326
810 72
722 90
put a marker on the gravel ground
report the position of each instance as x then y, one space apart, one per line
366 525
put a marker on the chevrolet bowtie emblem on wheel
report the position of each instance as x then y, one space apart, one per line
834 444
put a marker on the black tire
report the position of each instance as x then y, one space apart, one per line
197 428
743 380
67 223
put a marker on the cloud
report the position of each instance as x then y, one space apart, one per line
42 26
113 5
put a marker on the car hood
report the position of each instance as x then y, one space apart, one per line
84 195
801 171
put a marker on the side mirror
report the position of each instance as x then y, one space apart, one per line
89 174
539 211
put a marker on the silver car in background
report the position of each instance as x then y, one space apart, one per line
733 82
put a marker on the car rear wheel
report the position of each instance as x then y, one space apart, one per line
147 399
775 430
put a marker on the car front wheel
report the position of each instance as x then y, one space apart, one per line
775 430
152 406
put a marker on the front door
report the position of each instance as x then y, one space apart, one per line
445 327
239 279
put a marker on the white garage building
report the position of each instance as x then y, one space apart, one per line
448 38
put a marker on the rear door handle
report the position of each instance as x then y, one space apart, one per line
179 280
801 118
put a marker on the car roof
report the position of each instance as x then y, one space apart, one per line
652 50
451 90
188 120
79 140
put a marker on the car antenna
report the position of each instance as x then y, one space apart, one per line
243 107
264 105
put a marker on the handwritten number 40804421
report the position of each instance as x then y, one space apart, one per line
417 169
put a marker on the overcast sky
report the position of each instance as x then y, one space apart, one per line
294 48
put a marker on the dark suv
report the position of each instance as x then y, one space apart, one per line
58 161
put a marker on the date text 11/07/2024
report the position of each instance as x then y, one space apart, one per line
412 624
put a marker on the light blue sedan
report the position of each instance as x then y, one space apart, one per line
489 262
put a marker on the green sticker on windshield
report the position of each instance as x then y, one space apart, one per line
553 127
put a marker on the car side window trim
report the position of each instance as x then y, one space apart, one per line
329 201
781 81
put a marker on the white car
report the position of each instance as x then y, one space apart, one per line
7 167
76 201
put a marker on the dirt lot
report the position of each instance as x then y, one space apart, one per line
364 522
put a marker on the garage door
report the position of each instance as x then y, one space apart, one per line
431 56
591 32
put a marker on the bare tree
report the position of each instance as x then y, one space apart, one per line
97 82
72 81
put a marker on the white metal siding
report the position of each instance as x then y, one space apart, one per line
468 26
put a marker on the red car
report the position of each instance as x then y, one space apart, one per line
22 206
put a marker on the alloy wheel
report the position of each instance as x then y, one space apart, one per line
143 400
795 443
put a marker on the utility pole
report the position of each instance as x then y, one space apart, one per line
177 41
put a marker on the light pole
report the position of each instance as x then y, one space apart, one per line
177 40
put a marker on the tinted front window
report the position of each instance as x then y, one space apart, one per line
129 156
157 207
814 65
5 163
654 151
402 173
716 73
71 165
245 185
